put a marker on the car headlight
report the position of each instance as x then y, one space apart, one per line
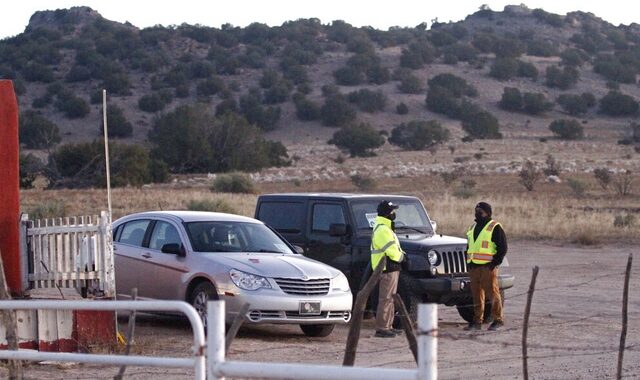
248 281
433 258
340 283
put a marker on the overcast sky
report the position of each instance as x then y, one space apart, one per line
376 13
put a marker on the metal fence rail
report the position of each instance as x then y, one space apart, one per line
197 361
70 253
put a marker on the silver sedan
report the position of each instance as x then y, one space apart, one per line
198 256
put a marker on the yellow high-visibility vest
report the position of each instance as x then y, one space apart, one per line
481 250
384 242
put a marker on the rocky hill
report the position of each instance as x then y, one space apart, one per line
299 82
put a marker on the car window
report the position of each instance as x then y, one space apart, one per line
133 232
213 236
325 215
285 217
163 233
410 213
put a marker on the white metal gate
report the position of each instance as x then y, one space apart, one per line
72 252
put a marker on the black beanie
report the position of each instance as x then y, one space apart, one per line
484 206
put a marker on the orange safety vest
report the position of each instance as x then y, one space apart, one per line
482 249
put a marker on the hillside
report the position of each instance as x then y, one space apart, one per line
266 74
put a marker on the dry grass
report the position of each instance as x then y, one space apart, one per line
551 212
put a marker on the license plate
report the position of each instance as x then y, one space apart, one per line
309 308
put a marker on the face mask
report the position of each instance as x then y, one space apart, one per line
392 216
479 215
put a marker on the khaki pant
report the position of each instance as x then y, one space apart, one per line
387 288
484 281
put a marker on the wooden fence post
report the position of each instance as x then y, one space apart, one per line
407 325
9 321
625 304
525 326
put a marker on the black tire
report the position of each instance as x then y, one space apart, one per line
201 294
317 331
465 309
409 292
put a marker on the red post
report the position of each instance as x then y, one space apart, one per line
10 187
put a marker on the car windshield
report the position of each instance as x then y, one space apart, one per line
411 216
210 236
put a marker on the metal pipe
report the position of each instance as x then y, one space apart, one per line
97 359
199 362
428 341
215 338
255 370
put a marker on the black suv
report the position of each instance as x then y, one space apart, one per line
336 229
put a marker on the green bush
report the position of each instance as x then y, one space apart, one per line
48 210
78 73
535 103
410 84
30 168
336 111
226 106
72 107
117 84
616 103
117 123
573 57
418 135
456 85
624 220
511 100
504 69
265 117
349 76
234 183
576 105
540 48
151 103
417 54
37 72
441 100
610 67
402 109
461 52
278 93
527 70
507 48
363 182
358 139
529 175
216 205
562 79
567 129
306 110
209 87
483 125
577 186
548 18
368 101
37 132
603 176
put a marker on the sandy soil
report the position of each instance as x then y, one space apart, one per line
574 329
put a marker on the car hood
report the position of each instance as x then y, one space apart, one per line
277 265
418 242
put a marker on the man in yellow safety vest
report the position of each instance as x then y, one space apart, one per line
384 242
486 248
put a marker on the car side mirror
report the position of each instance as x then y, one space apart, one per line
174 249
434 225
298 249
337 229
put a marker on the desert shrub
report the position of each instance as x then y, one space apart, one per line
410 84
577 186
417 54
527 70
269 78
450 177
610 67
358 139
151 103
306 110
336 111
622 183
535 103
73 107
576 105
590 40
460 52
210 205
551 19
117 123
507 47
603 176
562 79
349 76
456 85
529 175
363 182
402 109
573 57
37 132
511 99
189 139
278 93
504 69
616 103
48 210
378 74
37 72
265 117
484 41
226 106
483 125
441 100
624 220
30 168
541 48
367 100
418 135
78 73
552 167
210 86
567 129
117 84
234 183
635 132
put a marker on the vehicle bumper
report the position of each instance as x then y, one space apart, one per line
457 285
284 308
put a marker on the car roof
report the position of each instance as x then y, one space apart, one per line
350 196
191 216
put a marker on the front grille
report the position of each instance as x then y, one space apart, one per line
274 315
454 261
317 287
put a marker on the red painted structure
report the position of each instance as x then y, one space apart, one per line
10 187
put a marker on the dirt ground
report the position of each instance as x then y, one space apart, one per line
574 330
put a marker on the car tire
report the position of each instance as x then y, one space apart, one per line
317 331
408 290
201 294
465 309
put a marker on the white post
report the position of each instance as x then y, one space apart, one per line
215 338
428 341
106 150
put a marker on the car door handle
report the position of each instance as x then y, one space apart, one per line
146 255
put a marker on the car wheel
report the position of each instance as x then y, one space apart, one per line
317 331
408 291
199 298
465 309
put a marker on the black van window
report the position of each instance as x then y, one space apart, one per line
285 217
326 214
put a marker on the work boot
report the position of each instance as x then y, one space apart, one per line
397 331
385 334
472 327
495 325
